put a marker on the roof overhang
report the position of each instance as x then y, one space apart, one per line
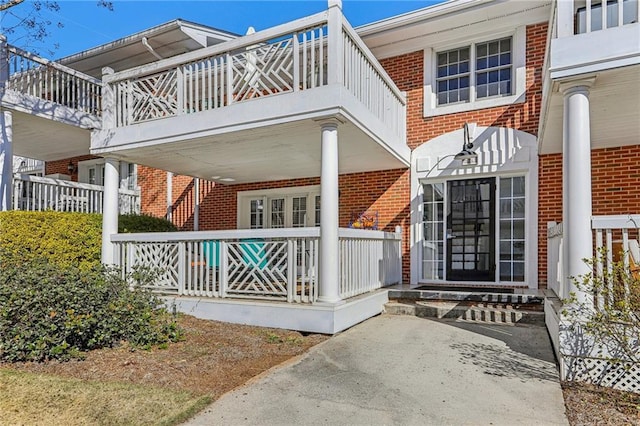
166 40
449 22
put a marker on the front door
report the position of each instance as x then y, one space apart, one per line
471 230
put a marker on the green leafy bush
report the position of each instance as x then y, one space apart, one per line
130 223
50 312
64 239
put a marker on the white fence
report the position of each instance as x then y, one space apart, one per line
582 357
368 260
617 237
44 79
301 55
33 193
267 264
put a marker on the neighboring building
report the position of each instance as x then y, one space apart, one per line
462 130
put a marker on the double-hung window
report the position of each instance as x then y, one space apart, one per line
476 75
491 70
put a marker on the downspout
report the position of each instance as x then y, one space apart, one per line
145 43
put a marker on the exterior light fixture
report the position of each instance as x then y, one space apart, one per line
71 168
466 154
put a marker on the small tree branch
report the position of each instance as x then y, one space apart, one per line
9 4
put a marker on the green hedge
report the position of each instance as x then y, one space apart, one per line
64 239
50 312
130 223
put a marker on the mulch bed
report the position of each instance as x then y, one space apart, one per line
594 405
214 358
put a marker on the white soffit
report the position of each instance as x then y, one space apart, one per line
168 39
450 22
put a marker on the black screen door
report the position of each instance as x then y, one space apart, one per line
471 230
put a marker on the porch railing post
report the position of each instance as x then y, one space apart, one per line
109 112
224 271
335 48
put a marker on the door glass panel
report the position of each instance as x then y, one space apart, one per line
257 214
512 228
470 230
433 226
277 213
299 212
317 200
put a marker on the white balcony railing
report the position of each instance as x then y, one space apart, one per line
368 260
306 54
33 193
573 17
27 165
615 236
267 264
31 75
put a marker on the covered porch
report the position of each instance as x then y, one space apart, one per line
304 100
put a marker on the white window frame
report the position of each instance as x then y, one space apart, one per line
530 220
244 204
127 181
519 74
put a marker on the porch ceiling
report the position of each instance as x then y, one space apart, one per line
615 112
46 139
282 151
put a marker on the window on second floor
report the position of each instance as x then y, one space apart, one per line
481 74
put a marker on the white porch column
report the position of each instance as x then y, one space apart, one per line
6 160
329 291
6 135
110 209
576 171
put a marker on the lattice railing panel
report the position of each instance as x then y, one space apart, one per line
602 372
163 257
263 71
148 98
257 269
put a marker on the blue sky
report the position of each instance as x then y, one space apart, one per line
86 25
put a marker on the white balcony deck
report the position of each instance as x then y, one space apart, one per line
54 107
233 109
580 46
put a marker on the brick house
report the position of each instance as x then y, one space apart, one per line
319 163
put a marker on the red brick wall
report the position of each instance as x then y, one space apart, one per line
549 206
408 73
62 166
615 186
153 191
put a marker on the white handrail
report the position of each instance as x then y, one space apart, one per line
234 45
34 193
32 75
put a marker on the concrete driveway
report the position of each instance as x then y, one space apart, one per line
406 370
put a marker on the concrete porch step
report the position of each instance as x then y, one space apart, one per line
489 313
530 298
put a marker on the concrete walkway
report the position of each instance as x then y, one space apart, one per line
407 371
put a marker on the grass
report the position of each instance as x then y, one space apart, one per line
28 398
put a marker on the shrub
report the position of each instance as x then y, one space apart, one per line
610 316
130 223
64 239
49 312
